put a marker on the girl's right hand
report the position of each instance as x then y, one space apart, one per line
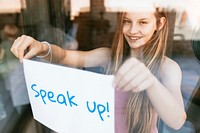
27 47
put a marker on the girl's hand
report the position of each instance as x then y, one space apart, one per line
27 47
134 76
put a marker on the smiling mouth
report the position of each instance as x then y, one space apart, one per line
135 38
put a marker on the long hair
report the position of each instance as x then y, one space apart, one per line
140 114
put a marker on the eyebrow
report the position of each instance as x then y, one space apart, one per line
142 19
125 17
145 19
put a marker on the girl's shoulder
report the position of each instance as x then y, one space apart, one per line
169 69
168 63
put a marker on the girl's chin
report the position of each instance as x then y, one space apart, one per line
135 45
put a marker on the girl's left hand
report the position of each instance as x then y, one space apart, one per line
133 76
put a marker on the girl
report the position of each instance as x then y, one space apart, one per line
147 82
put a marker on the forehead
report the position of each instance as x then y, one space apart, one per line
140 15
138 6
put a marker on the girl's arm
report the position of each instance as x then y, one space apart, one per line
166 97
27 47
92 58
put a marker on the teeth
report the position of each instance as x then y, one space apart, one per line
134 38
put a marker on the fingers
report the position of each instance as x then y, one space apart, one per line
134 83
133 76
123 71
14 47
21 47
140 83
127 77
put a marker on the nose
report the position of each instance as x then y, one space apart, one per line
134 28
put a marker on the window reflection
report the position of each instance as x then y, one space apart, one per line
86 25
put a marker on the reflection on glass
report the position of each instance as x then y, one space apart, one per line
86 25
2 109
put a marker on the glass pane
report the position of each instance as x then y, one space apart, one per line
84 25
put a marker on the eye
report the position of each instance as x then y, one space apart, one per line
143 22
126 21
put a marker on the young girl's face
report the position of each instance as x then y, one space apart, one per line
138 28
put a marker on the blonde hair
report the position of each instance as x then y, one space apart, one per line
140 114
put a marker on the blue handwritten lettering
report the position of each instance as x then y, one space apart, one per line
32 87
63 100
49 95
100 109
92 111
70 100
107 108
43 95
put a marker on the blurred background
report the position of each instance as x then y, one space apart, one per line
85 25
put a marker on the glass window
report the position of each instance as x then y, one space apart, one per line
86 25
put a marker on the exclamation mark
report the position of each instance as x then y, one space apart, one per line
108 109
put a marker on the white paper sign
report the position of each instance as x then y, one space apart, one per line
69 100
